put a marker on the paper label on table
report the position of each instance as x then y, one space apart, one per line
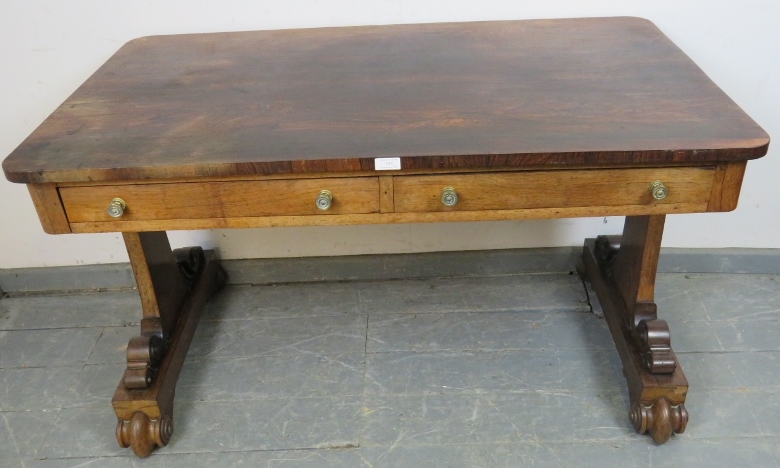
387 164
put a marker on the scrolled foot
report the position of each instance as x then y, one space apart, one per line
660 419
142 434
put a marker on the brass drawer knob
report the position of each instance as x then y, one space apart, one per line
323 200
658 190
448 196
116 208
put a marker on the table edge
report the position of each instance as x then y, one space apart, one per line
479 161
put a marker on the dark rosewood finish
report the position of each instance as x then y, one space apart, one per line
191 131
594 91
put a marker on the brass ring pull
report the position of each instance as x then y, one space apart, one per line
658 190
324 199
116 208
448 196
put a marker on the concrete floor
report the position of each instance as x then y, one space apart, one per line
499 371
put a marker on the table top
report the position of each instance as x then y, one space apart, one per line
593 91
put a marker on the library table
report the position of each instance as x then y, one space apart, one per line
389 124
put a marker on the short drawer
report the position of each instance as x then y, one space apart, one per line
552 189
224 199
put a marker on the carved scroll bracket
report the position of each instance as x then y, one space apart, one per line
164 280
649 334
654 342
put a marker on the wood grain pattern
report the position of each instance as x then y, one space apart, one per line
142 272
333 175
725 190
635 266
157 401
551 189
49 207
645 389
490 191
484 94
554 118
163 290
643 386
160 284
386 194
388 218
222 199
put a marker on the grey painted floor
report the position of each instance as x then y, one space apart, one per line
469 372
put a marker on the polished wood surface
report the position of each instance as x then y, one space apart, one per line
523 119
552 189
386 194
622 271
223 199
634 269
145 415
163 290
386 218
48 205
728 183
657 400
691 186
484 94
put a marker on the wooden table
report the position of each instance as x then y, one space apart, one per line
390 124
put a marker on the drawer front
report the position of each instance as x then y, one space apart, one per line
234 199
552 189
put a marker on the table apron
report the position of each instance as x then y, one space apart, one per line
389 198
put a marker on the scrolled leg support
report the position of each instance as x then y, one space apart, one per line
660 419
655 344
145 413
144 354
143 434
622 273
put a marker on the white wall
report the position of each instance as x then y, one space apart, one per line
48 48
